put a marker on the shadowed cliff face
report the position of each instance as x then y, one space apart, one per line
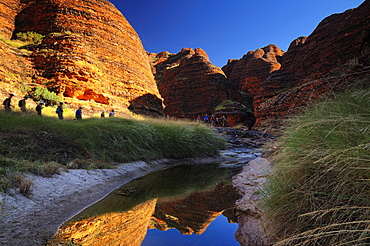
312 66
90 51
191 85
248 73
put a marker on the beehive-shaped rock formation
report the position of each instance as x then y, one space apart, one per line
191 85
90 52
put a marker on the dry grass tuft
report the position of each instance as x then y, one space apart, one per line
319 193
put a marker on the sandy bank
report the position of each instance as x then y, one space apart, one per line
31 221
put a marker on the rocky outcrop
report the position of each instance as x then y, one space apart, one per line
252 227
248 73
90 51
313 66
191 85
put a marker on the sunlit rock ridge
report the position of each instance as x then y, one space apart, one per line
91 56
90 53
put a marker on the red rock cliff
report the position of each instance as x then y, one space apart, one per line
248 73
90 51
191 85
312 66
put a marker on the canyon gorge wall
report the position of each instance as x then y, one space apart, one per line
90 53
328 59
92 57
192 86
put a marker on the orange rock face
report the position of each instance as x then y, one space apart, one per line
90 51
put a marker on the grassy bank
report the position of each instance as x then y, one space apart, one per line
320 191
44 145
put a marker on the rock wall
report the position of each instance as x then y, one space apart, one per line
248 73
90 52
191 85
313 65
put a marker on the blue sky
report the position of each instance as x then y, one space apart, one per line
225 29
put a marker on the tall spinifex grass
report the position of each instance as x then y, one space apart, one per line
320 191
31 143
111 139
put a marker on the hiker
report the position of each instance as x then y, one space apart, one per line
206 119
111 114
79 113
59 111
223 120
39 107
7 103
213 120
102 115
22 104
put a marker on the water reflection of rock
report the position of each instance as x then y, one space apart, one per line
119 228
187 198
195 213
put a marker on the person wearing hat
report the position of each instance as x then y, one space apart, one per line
79 113
22 104
102 115
39 107
7 103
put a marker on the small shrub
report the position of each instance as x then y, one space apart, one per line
25 187
52 168
21 182
30 37
50 98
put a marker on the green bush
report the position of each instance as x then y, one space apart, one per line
319 193
41 93
30 37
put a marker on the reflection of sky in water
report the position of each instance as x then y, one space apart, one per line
219 233
186 197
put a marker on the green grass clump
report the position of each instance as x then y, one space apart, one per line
320 191
30 143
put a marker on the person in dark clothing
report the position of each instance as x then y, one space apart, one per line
22 104
39 107
59 111
79 113
7 103
102 115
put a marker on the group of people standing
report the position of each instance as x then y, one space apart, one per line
59 110
111 114
213 120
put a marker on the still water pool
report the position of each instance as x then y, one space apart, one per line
181 205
